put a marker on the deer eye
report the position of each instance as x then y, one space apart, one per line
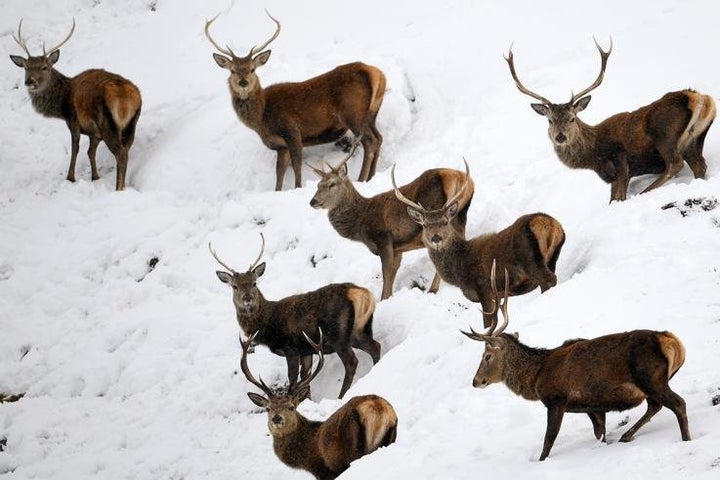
487 357
550 122
572 120
234 287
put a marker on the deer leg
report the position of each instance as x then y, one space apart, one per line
368 344
653 407
350 361
283 160
694 158
619 186
122 160
673 164
92 150
370 151
598 423
74 149
293 367
295 147
435 285
554 420
390 262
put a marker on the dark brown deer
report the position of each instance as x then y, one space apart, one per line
657 138
380 222
325 449
528 249
102 105
344 311
610 373
289 116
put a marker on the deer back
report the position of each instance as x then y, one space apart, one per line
96 93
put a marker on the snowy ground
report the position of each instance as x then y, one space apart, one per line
130 371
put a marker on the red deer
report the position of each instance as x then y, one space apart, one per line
325 449
614 372
380 222
102 105
528 249
343 310
289 116
656 138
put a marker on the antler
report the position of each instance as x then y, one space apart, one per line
212 251
603 63
230 269
318 347
227 50
19 40
511 63
349 155
262 249
246 370
462 187
256 49
402 197
498 301
57 47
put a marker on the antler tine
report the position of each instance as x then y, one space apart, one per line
603 63
246 370
402 197
19 40
349 155
503 305
318 171
226 50
256 49
262 249
511 63
462 187
212 251
57 47
480 337
318 347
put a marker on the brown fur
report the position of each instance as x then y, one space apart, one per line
364 306
381 222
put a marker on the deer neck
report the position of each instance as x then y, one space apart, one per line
256 320
298 448
345 216
251 108
522 365
451 261
580 152
53 101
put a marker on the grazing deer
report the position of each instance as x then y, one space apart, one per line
289 116
656 138
380 222
528 249
325 449
102 105
343 310
610 373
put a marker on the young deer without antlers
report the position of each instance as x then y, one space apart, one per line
325 449
610 373
102 105
288 116
343 310
380 222
656 138
528 249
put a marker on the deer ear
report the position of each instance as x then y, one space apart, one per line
581 104
261 58
222 61
53 58
343 170
451 210
540 109
258 400
18 60
259 270
416 215
300 394
224 277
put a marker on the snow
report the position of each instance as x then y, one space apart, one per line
131 371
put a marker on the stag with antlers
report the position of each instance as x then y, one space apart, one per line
614 372
289 116
380 222
343 310
102 105
657 138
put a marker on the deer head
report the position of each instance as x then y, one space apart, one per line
493 363
243 80
438 228
246 295
562 118
38 68
281 407
334 185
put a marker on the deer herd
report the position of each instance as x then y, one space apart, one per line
593 376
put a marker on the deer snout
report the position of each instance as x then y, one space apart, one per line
436 240
480 382
277 420
314 203
560 138
243 83
31 83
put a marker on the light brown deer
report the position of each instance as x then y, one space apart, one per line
289 116
657 138
528 249
325 449
380 222
102 105
614 372
343 310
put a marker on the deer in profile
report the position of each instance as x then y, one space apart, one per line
656 138
289 116
380 222
325 449
614 372
343 310
102 105
528 249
